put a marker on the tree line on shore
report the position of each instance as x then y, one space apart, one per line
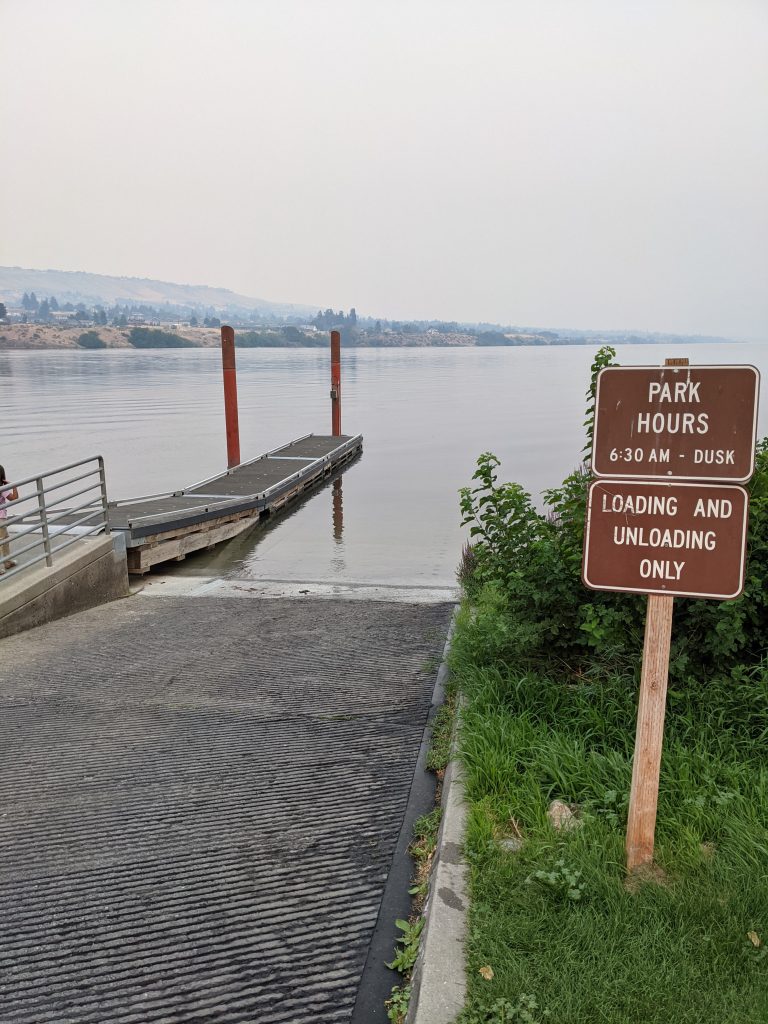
255 330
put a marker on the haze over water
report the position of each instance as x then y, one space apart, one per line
426 414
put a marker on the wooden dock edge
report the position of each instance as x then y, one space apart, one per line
165 548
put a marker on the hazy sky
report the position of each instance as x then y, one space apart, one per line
584 163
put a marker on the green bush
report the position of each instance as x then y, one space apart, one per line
91 339
257 339
548 675
528 567
146 337
288 337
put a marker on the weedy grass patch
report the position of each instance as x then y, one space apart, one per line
422 849
549 674
439 752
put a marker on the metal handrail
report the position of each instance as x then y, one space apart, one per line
42 514
62 512
53 472
58 533
54 487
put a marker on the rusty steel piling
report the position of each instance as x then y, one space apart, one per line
336 383
230 396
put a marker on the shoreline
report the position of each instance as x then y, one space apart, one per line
56 338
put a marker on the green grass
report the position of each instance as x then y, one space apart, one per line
426 828
671 951
442 732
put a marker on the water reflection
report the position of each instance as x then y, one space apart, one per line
338 510
338 556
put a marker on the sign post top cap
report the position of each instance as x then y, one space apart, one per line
682 366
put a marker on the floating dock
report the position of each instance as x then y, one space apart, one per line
164 527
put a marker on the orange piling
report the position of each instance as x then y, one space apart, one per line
336 383
230 396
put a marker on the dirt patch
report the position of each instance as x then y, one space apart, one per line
647 874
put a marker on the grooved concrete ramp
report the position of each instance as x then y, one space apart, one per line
200 802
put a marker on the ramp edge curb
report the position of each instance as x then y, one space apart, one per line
439 983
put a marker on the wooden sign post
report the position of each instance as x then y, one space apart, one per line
646 764
670 526
649 737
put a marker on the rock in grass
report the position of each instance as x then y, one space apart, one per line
561 817
511 845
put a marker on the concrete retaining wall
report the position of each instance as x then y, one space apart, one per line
89 573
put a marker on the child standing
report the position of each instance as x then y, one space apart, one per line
6 495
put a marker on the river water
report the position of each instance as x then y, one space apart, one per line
426 414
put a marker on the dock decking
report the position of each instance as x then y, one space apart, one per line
162 527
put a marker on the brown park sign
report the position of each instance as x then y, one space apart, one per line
649 537
676 422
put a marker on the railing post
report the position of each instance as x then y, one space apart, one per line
44 521
336 383
230 396
104 500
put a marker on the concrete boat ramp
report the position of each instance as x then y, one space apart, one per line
205 802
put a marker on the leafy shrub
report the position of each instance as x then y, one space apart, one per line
91 339
146 337
527 567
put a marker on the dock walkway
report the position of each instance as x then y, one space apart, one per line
201 800
162 527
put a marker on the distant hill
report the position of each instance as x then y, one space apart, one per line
99 289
